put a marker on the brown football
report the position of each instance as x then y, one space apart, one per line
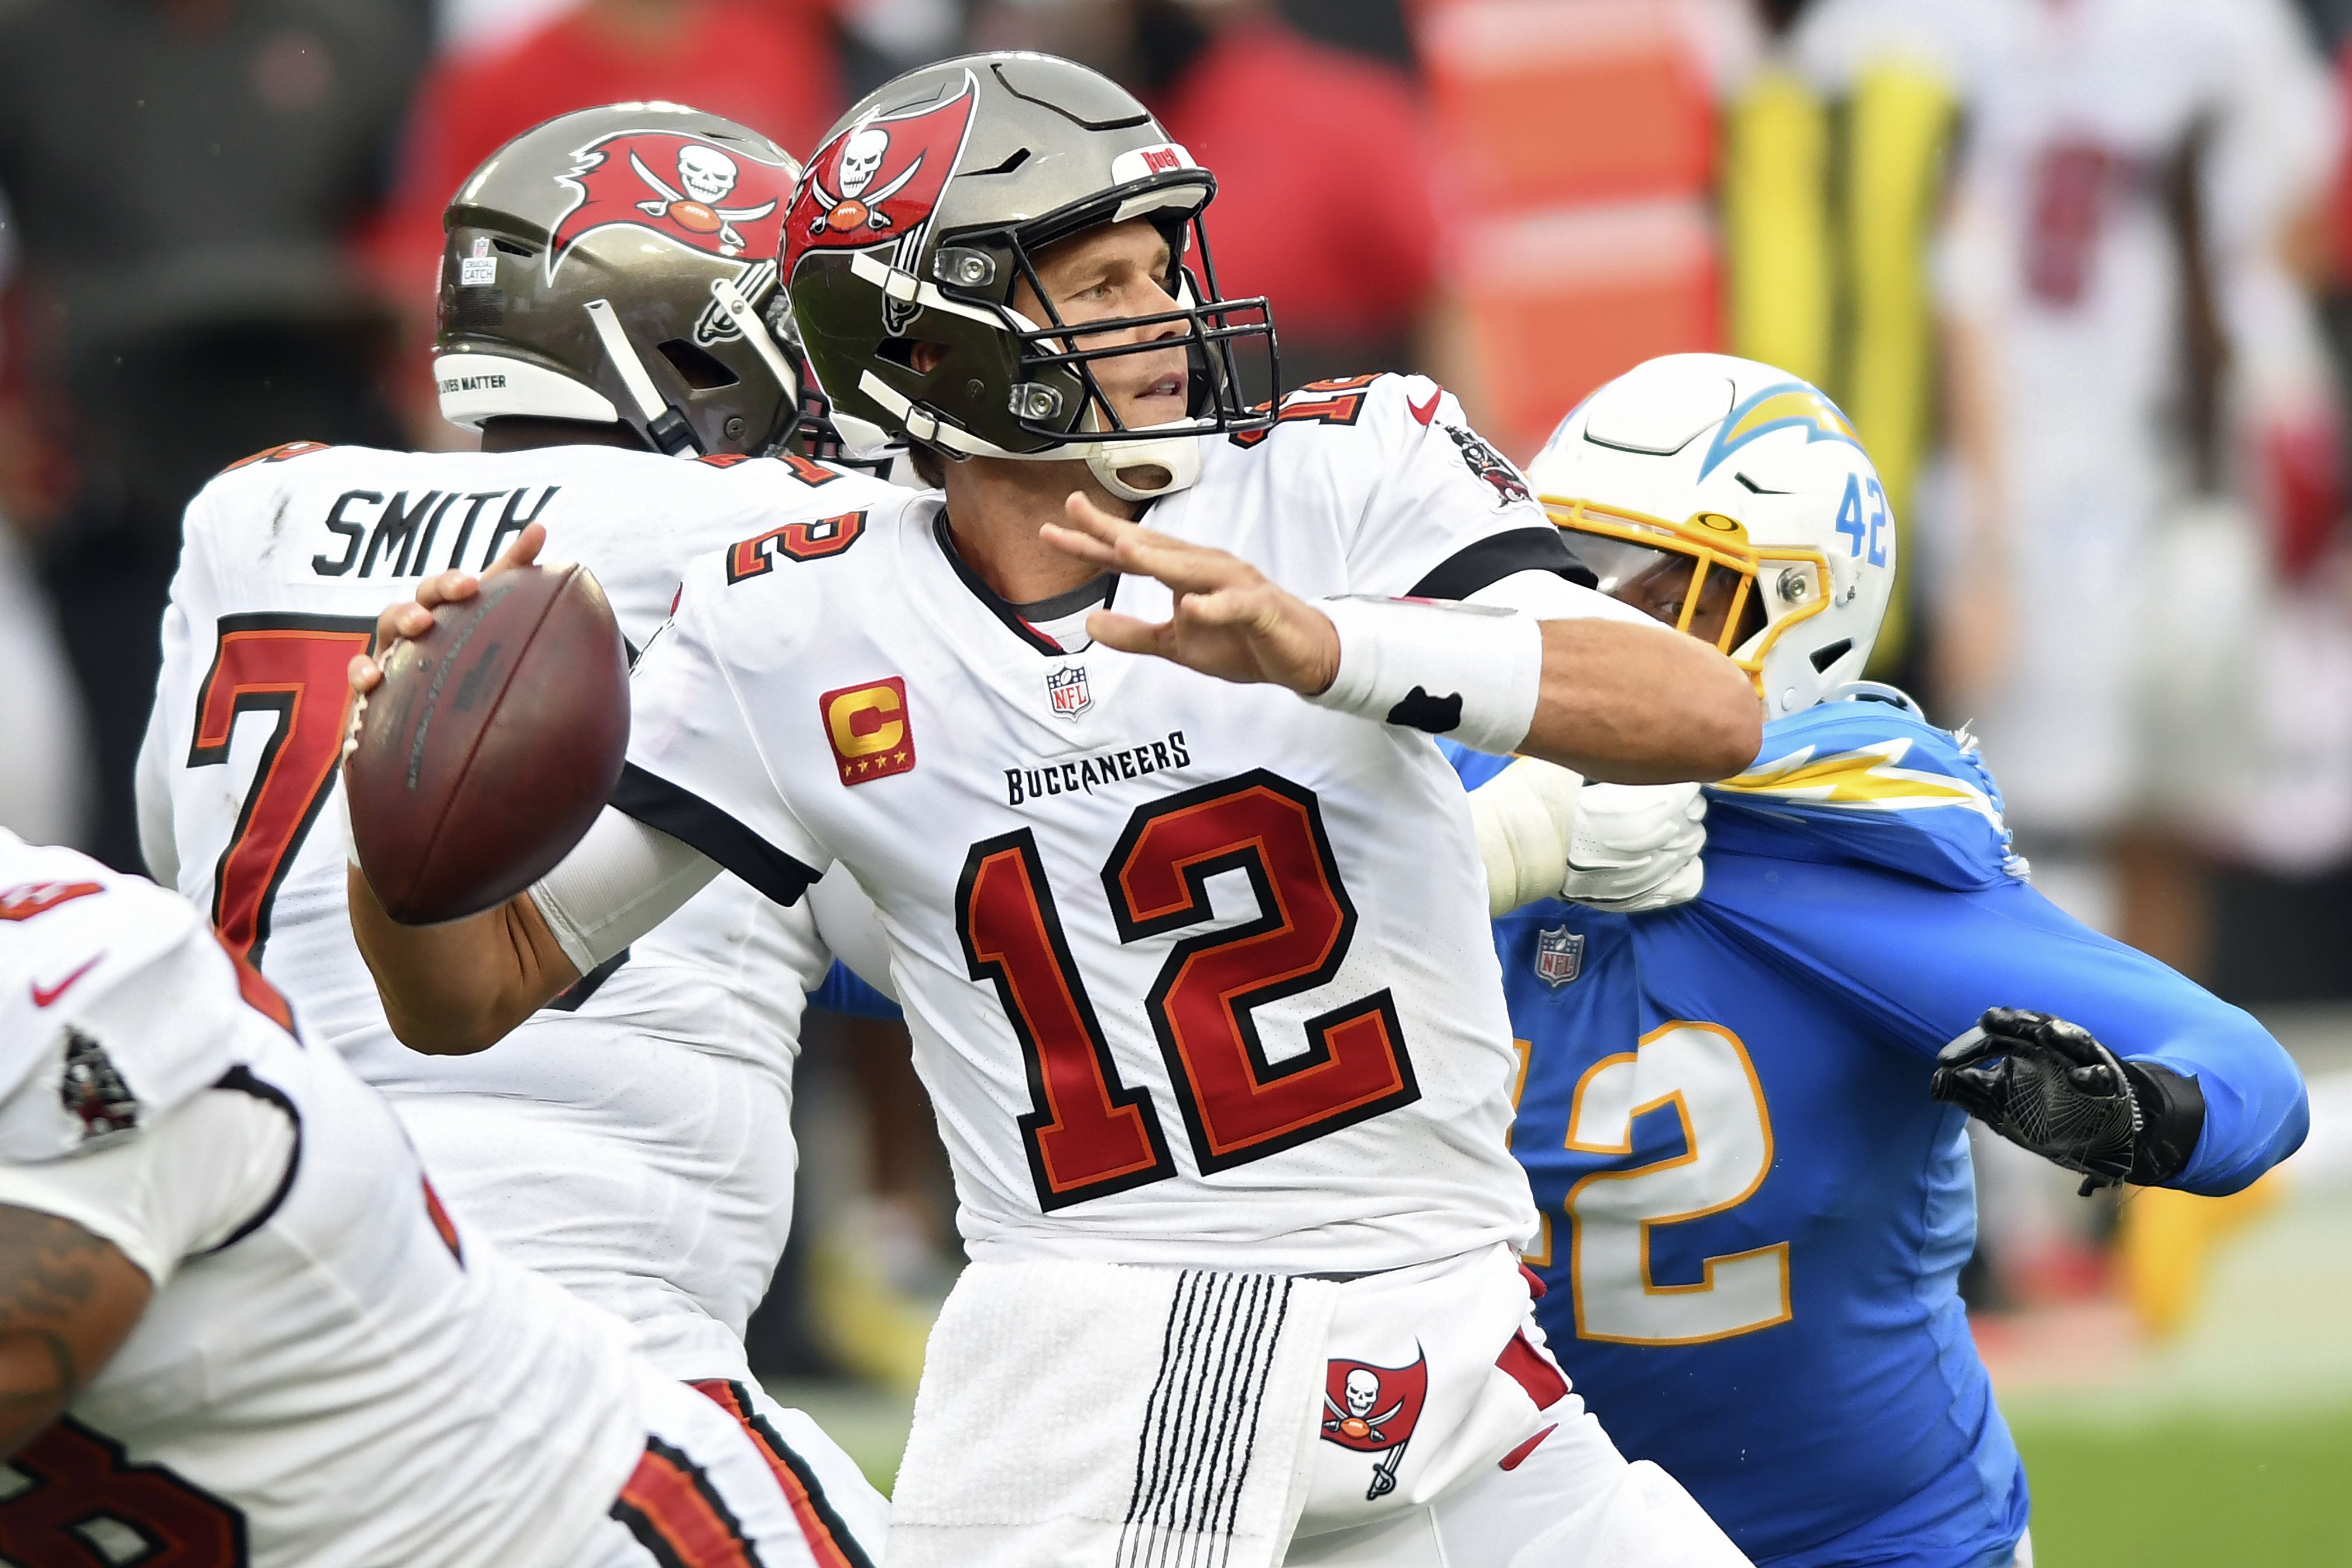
493 743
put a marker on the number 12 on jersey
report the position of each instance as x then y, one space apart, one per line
1088 1134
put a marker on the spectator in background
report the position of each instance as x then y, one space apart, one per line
1325 175
182 174
768 63
2132 362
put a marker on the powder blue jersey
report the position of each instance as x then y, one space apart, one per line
1754 1214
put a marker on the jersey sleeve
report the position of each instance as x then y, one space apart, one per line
1922 963
1442 513
206 1172
117 1004
696 769
186 609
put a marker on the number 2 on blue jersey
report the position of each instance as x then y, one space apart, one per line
1702 1073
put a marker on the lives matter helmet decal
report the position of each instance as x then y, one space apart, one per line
722 201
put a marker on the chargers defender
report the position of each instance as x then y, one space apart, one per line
1755 1214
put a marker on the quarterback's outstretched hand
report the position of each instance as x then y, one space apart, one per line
1229 620
413 617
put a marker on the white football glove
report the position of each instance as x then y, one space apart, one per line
1544 832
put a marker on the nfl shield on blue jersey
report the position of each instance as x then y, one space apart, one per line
1754 1216
1560 955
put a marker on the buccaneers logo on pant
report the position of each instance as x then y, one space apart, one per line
1371 1409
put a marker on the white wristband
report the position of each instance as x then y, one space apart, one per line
1469 672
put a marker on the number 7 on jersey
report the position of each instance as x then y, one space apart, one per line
292 665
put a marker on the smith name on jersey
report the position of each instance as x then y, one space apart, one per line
634 1141
1191 967
1754 1215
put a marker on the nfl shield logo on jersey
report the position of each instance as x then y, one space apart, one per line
1560 955
1066 688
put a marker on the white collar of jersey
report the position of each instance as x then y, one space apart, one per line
1064 613
477 386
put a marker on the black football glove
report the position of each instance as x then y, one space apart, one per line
2048 1086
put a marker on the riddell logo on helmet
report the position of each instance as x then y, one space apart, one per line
721 202
878 182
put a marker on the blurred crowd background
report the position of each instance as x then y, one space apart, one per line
2080 271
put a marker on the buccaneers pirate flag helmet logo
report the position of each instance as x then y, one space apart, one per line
719 200
879 179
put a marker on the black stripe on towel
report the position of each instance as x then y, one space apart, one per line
1201 1423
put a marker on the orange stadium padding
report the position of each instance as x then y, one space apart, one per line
1544 102
1559 302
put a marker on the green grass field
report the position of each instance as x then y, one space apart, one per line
2187 1491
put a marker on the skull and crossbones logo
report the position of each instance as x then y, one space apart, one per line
706 175
860 199
1362 1392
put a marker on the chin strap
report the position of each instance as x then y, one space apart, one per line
755 333
664 424
1177 456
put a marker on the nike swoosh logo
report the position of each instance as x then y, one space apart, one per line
45 995
1426 414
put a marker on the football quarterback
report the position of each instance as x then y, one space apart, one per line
1183 903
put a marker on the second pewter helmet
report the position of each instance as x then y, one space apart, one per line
931 200
619 264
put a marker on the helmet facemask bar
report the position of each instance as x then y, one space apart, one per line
1771 589
1056 352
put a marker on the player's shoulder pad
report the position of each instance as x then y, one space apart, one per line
116 1002
1355 428
1380 404
823 516
248 494
799 565
1864 779
284 452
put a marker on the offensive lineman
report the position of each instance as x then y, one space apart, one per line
236 1326
1197 972
1726 1109
634 1141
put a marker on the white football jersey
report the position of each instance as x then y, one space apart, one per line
2065 246
1198 975
339 1374
635 1140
